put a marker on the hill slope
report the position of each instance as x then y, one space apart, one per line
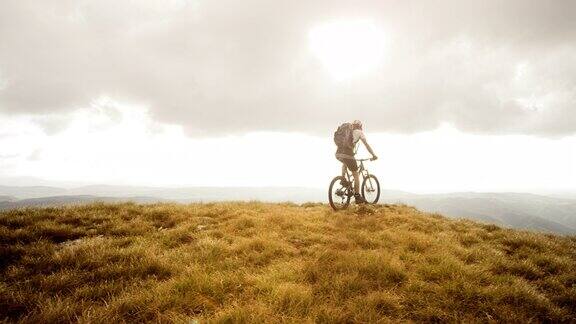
516 210
259 262
71 200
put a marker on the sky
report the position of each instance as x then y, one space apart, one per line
454 95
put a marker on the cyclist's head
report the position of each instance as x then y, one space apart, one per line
357 124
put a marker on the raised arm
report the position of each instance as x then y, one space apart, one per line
374 157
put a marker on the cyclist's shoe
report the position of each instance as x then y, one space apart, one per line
359 199
344 183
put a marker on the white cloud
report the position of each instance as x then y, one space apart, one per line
129 147
465 95
231 67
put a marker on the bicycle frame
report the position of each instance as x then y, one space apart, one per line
341 188
362 172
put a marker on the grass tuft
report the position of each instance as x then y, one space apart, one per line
255 262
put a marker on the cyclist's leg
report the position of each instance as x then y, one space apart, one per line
344 170
356 181
351 165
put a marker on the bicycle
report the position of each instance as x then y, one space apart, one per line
341 188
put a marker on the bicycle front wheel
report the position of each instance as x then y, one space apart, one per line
371 189
338 194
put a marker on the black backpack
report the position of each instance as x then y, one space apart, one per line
343 136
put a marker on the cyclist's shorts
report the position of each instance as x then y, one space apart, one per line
351 164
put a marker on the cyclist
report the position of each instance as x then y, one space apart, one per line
346 156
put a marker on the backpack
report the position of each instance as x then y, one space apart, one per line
343 136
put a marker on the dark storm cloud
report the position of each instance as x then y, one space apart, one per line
227 66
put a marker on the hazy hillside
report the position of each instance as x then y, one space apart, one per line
184 194
24 192
67 200
517 210
257 262
7 198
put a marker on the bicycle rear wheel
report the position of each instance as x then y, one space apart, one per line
371 189
339 195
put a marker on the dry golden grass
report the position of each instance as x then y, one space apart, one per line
257 262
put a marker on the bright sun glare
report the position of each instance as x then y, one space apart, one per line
348 48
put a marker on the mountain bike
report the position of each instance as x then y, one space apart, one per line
341 188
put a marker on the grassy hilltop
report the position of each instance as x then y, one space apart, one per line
257 262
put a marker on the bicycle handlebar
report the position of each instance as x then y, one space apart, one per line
362 160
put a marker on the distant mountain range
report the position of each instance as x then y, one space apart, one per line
518 210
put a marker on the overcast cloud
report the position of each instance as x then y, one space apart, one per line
220 66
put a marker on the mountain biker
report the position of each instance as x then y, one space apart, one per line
346 156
